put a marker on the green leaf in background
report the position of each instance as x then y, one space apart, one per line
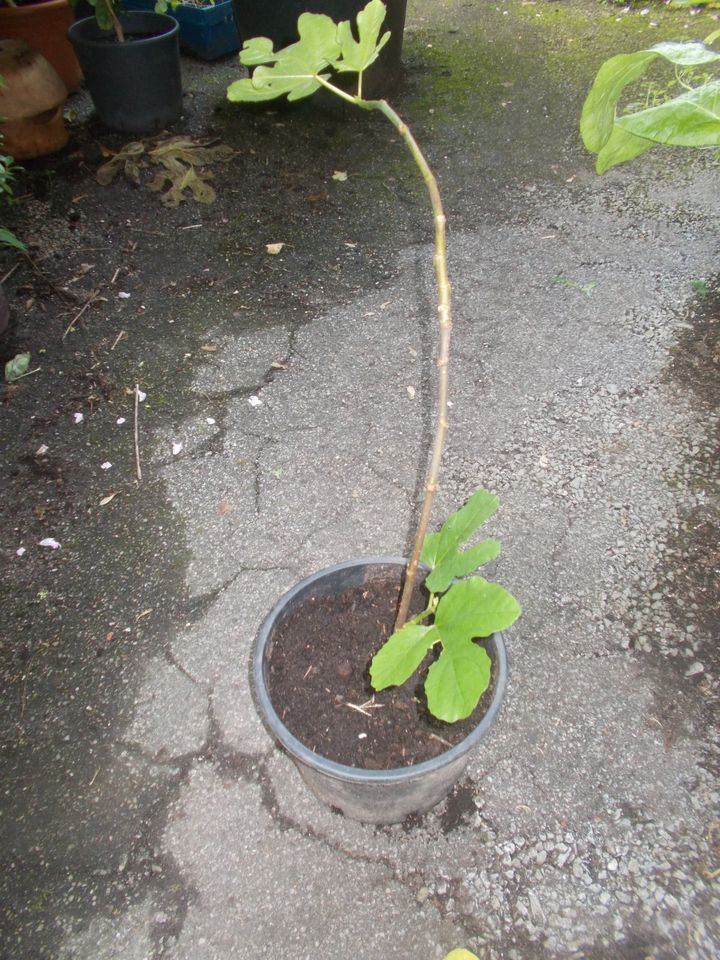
103 16
598 113
456 681
8 239
691 119
474 608
401 655
15 368
694 4
441 550
358 55
621 147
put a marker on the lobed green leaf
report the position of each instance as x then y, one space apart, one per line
358 55
474 608
257 50
458 528
401 655
296 70
456 681
461 564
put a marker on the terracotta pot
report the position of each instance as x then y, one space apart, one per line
31 102
43 25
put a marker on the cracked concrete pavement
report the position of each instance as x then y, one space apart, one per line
147 814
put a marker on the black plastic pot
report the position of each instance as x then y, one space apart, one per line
135 85
278 20
372 796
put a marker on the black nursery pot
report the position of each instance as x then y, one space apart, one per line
371 796
135 85
278 21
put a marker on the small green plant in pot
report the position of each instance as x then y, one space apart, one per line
458 611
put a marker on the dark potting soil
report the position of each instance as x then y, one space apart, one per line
318 681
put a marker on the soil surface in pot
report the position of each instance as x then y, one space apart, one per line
319 684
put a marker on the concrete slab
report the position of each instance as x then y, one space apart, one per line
146 813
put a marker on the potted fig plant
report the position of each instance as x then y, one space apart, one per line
375 755
131 63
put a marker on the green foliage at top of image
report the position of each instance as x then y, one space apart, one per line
300 69
690 119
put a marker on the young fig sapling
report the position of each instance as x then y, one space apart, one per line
459 610
471 608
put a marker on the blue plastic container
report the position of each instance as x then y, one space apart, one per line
206 32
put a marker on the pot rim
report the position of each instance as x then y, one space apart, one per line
76 29
340 771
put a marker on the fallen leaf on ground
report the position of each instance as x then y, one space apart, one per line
274 248
183 162
49 542
340 175
15 368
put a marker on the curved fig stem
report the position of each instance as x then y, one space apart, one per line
445 322
117 26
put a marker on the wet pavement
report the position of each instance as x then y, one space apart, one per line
284 426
